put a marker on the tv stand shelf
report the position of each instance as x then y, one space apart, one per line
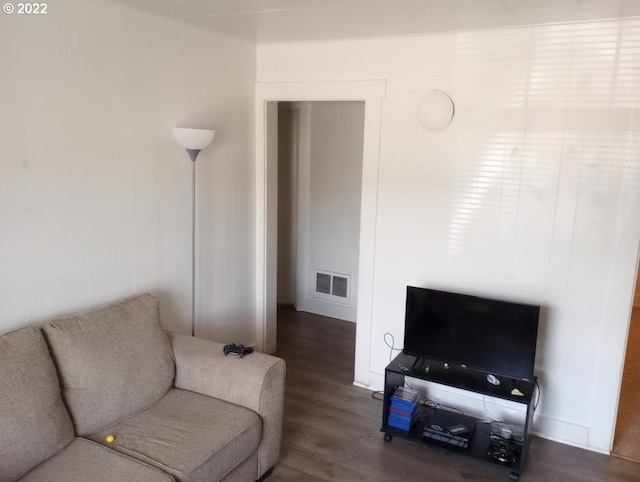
466 379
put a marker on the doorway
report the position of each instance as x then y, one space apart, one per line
626 442
372 93
320 147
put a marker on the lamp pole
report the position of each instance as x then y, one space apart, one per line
193 140
193 238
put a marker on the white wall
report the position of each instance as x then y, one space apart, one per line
334 204
95 194
531 194
319 188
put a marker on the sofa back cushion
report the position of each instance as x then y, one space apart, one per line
34 423
112 361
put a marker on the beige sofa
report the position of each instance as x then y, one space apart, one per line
176 407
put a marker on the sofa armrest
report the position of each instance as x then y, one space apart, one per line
255 382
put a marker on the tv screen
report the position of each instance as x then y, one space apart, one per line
497 337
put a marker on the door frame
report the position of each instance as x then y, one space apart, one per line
372 93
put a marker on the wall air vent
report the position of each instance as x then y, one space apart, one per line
323 283
340 286
333 287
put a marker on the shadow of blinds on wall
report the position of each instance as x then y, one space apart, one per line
554 141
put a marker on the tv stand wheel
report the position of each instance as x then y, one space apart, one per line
514 476
388 437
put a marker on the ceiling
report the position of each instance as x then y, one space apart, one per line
301 20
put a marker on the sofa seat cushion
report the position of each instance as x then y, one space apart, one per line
191 436
83 460
34 423
113 361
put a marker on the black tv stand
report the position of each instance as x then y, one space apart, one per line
479 444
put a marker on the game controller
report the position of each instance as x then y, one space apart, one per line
239 350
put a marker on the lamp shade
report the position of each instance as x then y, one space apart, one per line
193 138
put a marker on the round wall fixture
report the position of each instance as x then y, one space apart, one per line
436 110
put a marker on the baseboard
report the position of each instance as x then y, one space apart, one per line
571 443
564 432
362 385
326 308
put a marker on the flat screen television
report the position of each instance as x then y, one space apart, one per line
497 337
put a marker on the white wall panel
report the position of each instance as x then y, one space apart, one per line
531 194
334 204
95 194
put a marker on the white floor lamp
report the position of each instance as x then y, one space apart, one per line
193 140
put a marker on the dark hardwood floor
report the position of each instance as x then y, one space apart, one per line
332 428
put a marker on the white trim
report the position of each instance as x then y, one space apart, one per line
303 205
271 228
372 92
368 219
261 206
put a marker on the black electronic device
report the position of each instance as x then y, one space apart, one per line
447 427
446 438
239 350
493 336
504 453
